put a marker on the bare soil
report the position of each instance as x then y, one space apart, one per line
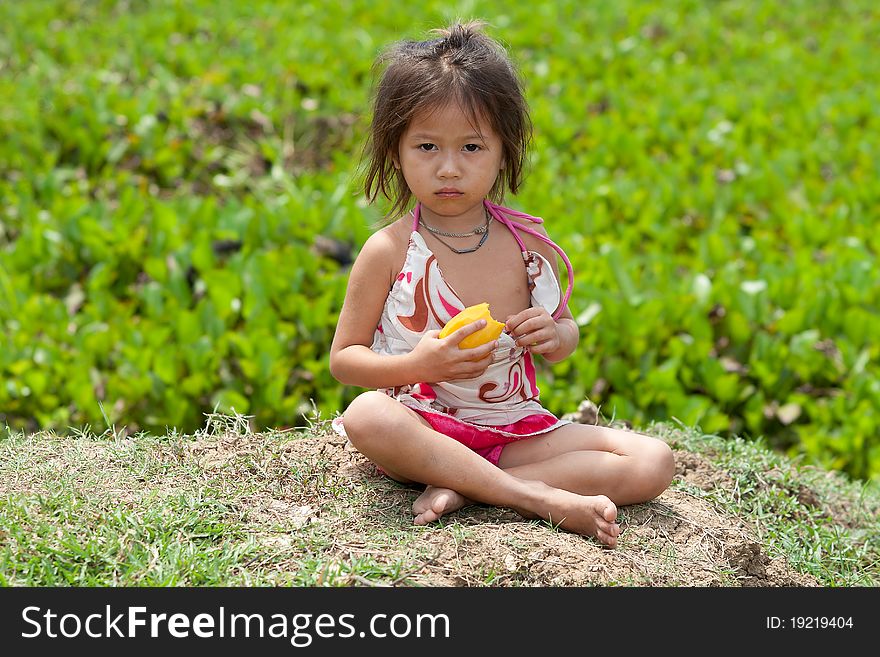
315 510
677 539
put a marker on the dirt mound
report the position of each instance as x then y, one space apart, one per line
304 508
677 539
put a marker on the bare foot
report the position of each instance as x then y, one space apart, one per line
590 515
436 502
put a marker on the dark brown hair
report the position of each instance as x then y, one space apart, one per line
463 66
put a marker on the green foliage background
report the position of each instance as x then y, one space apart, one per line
179 206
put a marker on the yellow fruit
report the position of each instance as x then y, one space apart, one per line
471 314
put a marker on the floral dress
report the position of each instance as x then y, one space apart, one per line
500 406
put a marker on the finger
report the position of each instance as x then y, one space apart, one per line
457 336
480 352
526 325
515 320
531 325
528 338
479 367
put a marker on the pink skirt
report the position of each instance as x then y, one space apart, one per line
487 441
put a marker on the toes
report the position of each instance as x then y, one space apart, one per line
425 517
609 512
609 529
440 503
610 541
608 536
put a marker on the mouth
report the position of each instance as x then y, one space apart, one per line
448 192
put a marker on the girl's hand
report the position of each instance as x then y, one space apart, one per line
442 360
535 330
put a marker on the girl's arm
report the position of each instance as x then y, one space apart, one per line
569 335
352 362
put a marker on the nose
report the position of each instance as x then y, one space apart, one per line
449 166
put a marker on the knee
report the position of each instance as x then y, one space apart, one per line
362 418
653 469
661 467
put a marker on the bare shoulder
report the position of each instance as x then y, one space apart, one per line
533 243
369 281
385 250
540 246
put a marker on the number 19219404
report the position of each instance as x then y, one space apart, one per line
809 622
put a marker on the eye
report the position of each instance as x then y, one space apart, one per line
472 148
427 147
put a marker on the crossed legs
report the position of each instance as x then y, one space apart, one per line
573 476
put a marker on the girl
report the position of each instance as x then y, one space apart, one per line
450 131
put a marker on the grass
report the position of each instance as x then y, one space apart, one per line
821 522
181 206
57 533
227 507
97 510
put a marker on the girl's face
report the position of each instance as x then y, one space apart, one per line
450 163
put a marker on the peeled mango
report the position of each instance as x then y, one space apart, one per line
471 314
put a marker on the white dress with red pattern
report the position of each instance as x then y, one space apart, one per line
503 404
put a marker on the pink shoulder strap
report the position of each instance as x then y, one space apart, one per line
498 212
416 212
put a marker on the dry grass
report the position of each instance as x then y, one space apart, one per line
230 507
